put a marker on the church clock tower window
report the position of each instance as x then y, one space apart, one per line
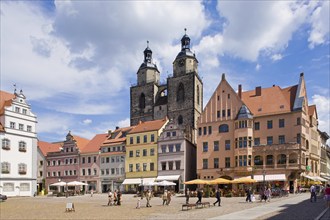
180 94
142 103
180 120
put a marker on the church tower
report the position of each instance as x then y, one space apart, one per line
142 95
185 89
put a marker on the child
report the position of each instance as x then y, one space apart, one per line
138 204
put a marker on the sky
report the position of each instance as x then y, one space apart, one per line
76 60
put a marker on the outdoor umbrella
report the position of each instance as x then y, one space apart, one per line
197 181
219 181
77 183
244 180
166 183
149 184
59 184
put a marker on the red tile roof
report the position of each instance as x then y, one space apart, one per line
81 142
117 136
5 100
146 126
94 144
46 147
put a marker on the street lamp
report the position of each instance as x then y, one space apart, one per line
264 174
141 187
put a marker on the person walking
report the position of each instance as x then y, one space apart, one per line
119 197
218 197
267 194
169 195
110 198
187 196
248 195
313 193
115 197
199 196
148 197
327 195
165 197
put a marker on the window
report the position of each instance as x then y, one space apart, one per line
216 145
144 167
130 153
205 146
180 93
223 128
227 144
205 163
58 173
17 109
163 165
223 113
130 167
94 172
180 120
6 144
58 162
152 166
117 159
197 94
142 101
228 112
298 121
168 134
174 133
256 141
178 165
205 131
145 152
94 160
24 111
22 168
89 159
152 152
5 167
227 162
281 123
256 126
138 139
152 138
29 128
12 125
281 159
218 114
137 153
170 165
299 139
145 139
258 160
171 148
112 171
216 163
210 129
131 140
102 159
270 124
199 131
83 160
21 127
163 147
281 139
269 140
177 147
107 159
137 167
8 187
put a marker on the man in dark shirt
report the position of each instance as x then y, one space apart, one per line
217 196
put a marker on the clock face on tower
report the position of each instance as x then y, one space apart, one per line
181 62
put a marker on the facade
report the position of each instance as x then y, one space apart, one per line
325 156
43 149
18 153
63 165
267 133
90 163
176 156
180 99
141 153
112 160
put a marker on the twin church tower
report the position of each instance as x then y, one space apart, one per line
180 99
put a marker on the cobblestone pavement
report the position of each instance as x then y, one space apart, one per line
95 207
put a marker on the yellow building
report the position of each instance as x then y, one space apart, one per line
141 153
267 133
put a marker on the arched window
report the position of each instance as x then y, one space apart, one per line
293 158
198 94
281 159
269 160
258 160
180 119
180 93
223 128
142 101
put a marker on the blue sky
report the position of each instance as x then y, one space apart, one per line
76 60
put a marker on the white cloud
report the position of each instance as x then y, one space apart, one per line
277 57
258 66
320 21
87 121
322 106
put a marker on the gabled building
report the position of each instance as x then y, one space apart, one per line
90 163
112 154
141 153
18 152
267 133
176 156
63 165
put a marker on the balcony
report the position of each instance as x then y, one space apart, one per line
276 147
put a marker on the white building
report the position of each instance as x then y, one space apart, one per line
18 153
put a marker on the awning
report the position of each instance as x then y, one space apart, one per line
326 177
138 180
318 178
309 177
270 177
170 177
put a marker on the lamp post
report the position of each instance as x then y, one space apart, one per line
264 174
142 188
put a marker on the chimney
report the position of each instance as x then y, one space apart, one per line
258 91
240 91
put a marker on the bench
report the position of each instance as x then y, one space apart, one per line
187 206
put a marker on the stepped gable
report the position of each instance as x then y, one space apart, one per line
268 101
46 147
148 126
94 144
